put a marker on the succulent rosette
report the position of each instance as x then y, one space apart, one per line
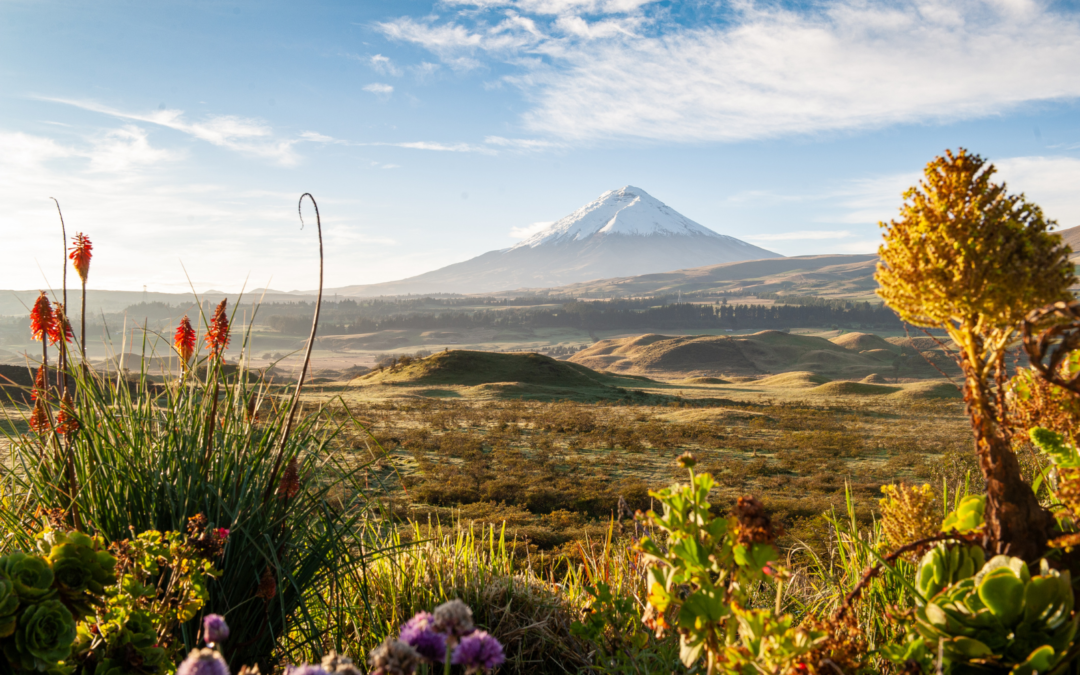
996 615
43 636
9 606
31 575
79 565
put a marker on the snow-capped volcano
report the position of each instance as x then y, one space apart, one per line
625 232
628 211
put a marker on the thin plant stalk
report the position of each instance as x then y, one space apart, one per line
61 375
311 340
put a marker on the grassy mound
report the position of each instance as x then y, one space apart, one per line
469 368
861 342
874 378
846 388
796 380
928 390
705 380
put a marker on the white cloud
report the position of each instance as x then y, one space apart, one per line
248 136
807 235
526 231
560 7
123 149
379 89
1049 182
768 71
523 143
383 64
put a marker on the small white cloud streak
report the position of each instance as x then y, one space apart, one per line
526 231
244 135
383 65
379 89
769 71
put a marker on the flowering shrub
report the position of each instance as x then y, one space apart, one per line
701 577
161 585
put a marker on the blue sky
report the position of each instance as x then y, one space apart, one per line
179 135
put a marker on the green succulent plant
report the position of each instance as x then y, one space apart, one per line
82 569
43 636
31 575
9 606
995 616
946 564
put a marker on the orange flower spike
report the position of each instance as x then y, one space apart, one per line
185 340
60 318
82 251
217 338
66 422
41 387
42 319
39 418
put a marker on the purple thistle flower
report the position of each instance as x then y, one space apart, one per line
479 651
203 662
215 629
419 632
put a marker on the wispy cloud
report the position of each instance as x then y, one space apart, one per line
526 231
379 89
383 64
768 70
246 135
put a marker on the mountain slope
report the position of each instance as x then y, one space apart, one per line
824 275
625 232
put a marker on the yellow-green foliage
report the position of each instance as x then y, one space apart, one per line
969 258
908 513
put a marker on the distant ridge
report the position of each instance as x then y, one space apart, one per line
624 232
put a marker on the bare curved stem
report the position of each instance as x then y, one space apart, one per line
310 345
61 374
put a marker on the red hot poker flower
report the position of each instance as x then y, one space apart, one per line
217 338
39 418
66 422
42 319
41 387
185 340
81 254
60 318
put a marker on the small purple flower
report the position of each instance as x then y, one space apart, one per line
203 662
215 629
305 669
478 652
420 633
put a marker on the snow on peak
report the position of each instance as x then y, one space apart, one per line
626 211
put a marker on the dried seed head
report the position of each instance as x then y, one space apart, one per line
267 586
393 657
687 460
454 619
340 665
754 526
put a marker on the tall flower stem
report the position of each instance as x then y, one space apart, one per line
310 345
61 366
